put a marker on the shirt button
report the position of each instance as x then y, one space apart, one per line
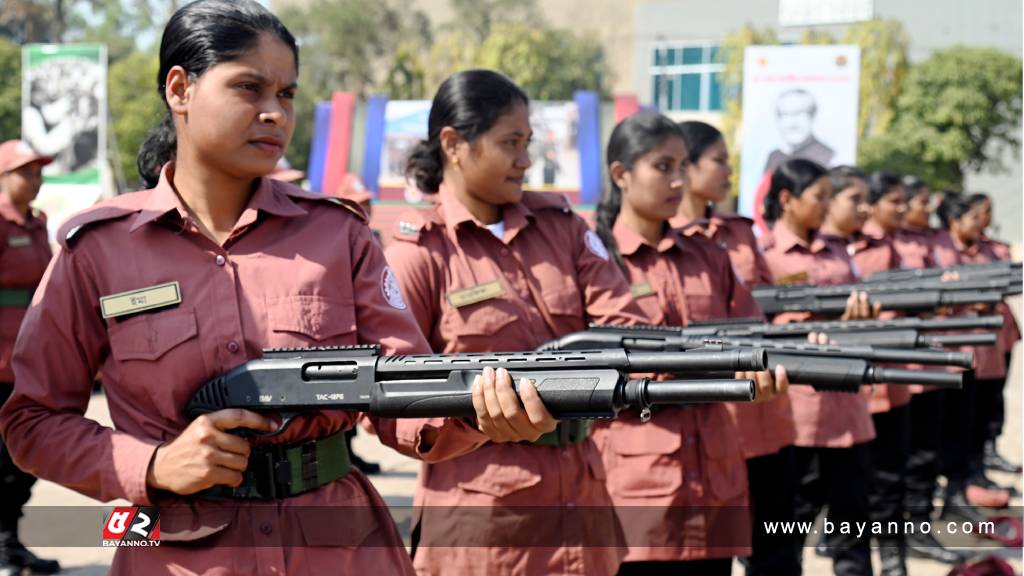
504 251
233 346
220 260
266 528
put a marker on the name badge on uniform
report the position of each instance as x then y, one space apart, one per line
133 301
19 241
641 290
798 278
478 293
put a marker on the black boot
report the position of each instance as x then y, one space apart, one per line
926 546
993 461
893 554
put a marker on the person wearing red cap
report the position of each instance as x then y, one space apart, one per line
24 255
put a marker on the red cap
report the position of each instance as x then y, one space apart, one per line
17 153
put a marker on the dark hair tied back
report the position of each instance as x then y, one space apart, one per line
880 184
471 102
699 136
842 177
199 36
794 175
953 207
630 140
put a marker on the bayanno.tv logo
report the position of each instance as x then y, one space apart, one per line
132 526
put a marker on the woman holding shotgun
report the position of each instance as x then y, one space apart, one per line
833 463
491 268
160 291
963 458
678 480
765 428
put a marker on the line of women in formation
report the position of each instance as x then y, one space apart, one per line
263 264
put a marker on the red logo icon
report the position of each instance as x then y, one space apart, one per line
132 526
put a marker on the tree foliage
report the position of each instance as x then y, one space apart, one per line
733 49
883 66
959 111
135 107
10 92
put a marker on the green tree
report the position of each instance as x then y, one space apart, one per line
548 63
732 53
10 91
883 66
958 111
135 107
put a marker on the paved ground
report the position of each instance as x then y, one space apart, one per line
398 481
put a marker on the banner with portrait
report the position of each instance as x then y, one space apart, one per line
64 115
798 102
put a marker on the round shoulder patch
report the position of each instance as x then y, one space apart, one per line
594 244
389 286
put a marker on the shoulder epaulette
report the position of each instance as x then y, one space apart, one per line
546 200
413 222
108 210
296 192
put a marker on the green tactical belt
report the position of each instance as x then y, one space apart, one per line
281 471
15 297
567 433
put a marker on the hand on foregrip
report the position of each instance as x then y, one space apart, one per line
503 415
767 385
860 307
205 454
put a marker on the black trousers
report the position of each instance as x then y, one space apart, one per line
889 452
15 485
958 418
712 567
839 478
772 493
987 408
923 461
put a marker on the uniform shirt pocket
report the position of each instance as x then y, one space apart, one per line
645 457
496 479
150 336
473 327
726 470
156 359
304 320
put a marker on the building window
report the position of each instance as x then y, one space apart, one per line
687 77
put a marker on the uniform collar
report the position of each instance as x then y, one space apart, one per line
785 240
269 197
516 216
874 231
629 241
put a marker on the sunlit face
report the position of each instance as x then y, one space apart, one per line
239 115
495 164
984 213
795 114
710 176
22 184
967 228
888 212
848 209
919 209
809 209
654 186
